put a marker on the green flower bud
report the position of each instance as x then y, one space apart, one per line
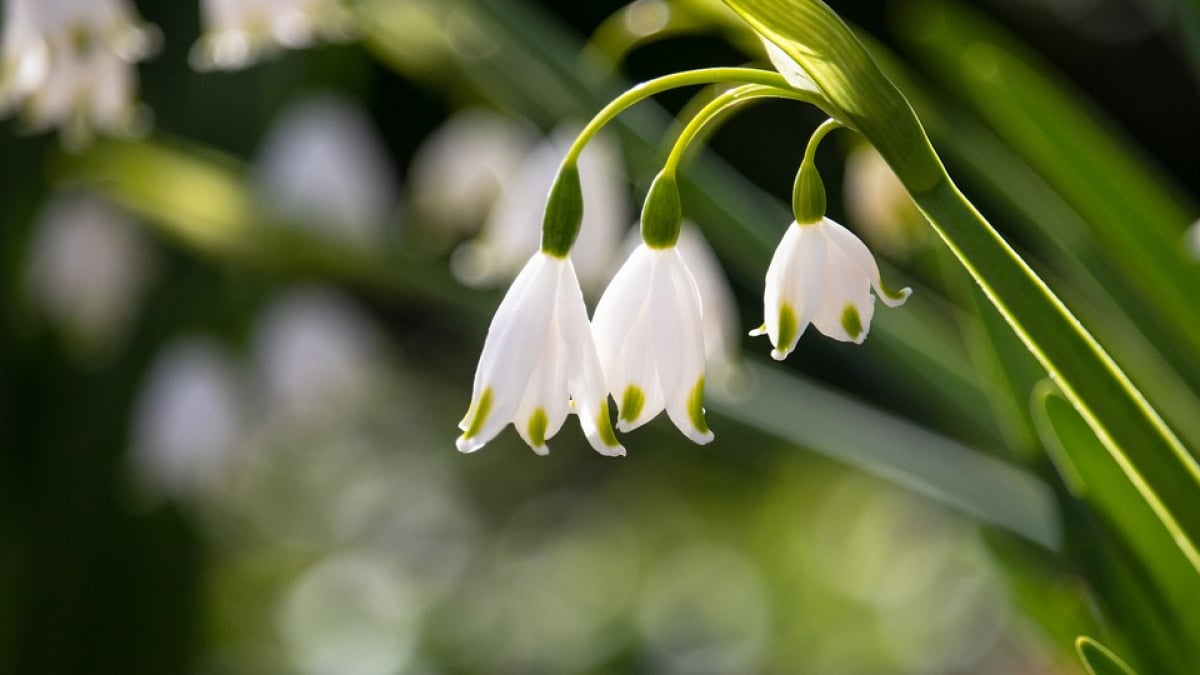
808 195
662 213
564 213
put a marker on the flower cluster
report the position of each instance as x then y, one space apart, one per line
70 64
646 343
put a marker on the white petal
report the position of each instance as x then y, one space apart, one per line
585 378
620 304
787 66
544 405
860 256
776 283
514 342
679 345
718 309
846 305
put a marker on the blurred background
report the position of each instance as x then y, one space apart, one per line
239 331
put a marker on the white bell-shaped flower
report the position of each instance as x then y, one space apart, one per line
88 269
461 168
651 342
719 314
69 64
239 32
821 274
513 227
322 167
539 363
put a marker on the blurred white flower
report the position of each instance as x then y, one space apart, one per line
821 274
186 422
314 353
461 168
69 64
352 614
88 269
239 32
651 342
1192 240
539 363
514 225
322 167
878 204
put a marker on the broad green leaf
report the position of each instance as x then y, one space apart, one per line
1166 474
1097 480
1135 214
1059 236
1099 660
811 416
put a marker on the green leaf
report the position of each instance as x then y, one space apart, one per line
813 417
1165 473
1098 659
1095 478
1136 215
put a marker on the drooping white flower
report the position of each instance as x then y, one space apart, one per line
315 354
87 269
461 168
719 318
539 363
513 226
821 274
878 204
239 32
322 167
186 423
651 342
69 64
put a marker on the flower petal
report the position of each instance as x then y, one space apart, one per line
679 345
585 377
513 345
860 256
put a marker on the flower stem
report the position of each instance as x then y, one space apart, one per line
658 85
718 107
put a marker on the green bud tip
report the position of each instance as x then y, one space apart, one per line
662 213
808 195
564 212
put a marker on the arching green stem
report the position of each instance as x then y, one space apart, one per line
564 206
808 192
704 121
686 78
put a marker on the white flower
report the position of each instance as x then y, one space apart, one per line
878 204
821 274
69 63
460 169
239 32
513 226
651 342
1192 240
539 363
186 424
718 307
88 269
315 354
322 167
